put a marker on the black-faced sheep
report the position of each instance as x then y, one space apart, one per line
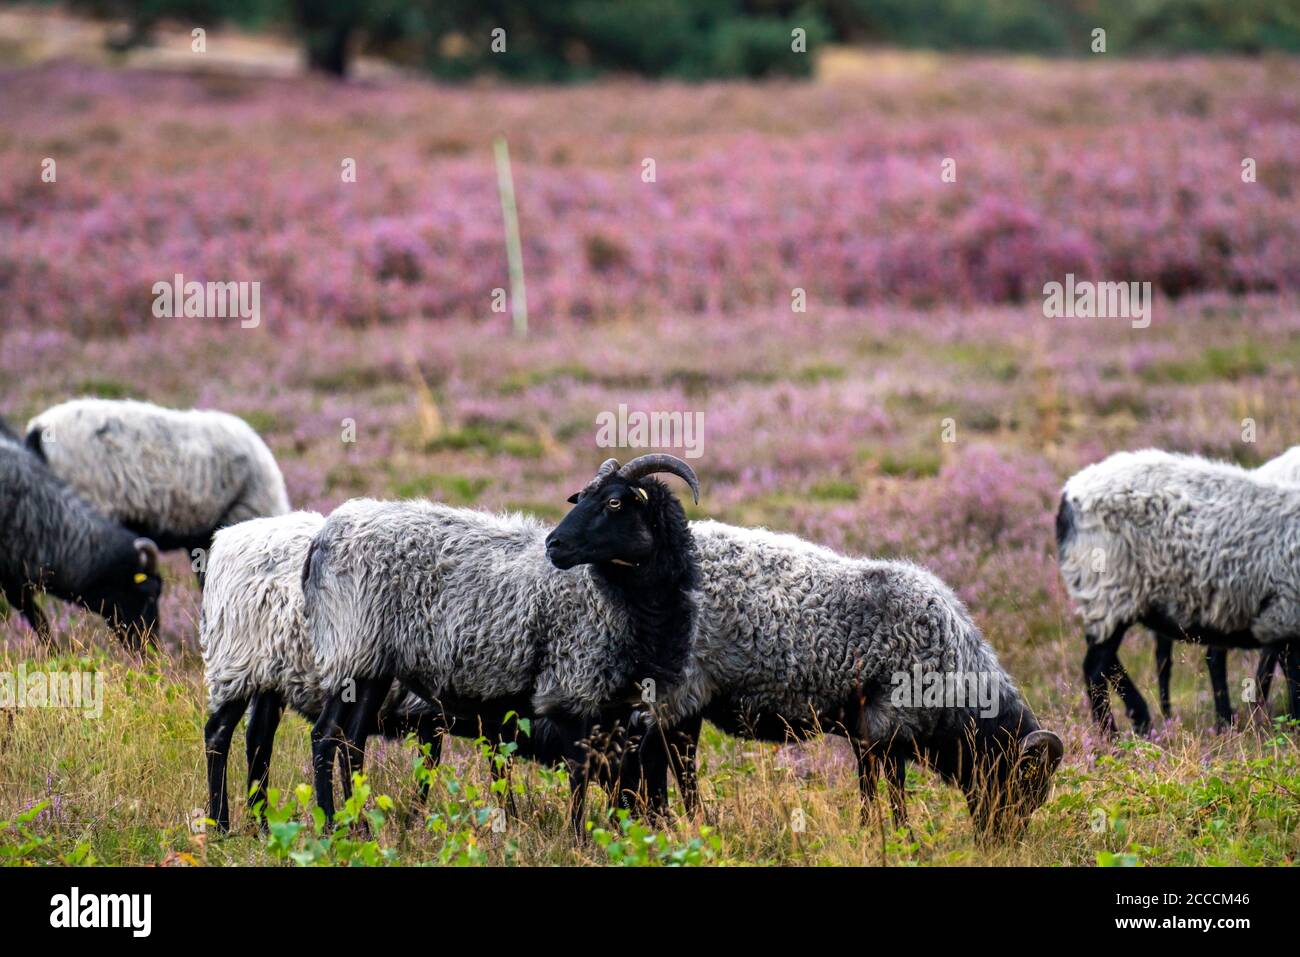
483 614
1195 550
174 476
52 540
797 640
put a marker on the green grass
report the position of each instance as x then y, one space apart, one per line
128 788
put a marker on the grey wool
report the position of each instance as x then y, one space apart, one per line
251 627
793 629
174 475
796 639
1200 546
256 649
465 605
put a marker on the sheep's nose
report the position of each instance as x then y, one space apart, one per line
559 552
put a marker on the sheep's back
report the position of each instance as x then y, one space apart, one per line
1207 544
792 628
419 589
169 473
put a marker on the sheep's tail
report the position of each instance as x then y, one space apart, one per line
33 443
1065 525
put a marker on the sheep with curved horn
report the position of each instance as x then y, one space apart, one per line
483 614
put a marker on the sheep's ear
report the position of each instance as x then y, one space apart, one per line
1043 748
573 499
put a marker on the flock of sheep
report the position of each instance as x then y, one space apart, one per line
619 631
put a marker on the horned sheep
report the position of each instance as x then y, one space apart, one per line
484 614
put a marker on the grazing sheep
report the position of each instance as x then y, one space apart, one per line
483 614
174 476
52 540
1195 550
1284 469
255 649
796 640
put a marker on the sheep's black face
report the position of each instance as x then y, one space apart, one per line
127 594
607 524
1015 785
131 609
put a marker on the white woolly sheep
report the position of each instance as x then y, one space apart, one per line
174 476
1193 549
255 649
1286 470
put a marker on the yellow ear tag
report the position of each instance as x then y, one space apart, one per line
141 578
642 493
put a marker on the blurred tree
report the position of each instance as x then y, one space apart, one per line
548 40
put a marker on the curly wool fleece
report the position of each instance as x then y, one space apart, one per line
173 475
467 604
252 628
1206 545
794 629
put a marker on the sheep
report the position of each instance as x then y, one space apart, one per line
1284 469
52 540
255 649
482 614
7 434
796 640
173 476
1195 550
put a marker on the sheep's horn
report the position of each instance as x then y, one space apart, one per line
1055 749
606 467
148 553
658 462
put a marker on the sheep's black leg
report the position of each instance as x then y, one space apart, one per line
1095 664
868 772
201 571
1135 705
1291 667
324 744
683 744
428 731
572 732
643 769
216 744
896 777
361 721
1102 670
1216 662
1268 660
259 741
1164 670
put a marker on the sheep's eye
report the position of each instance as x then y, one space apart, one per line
614 504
